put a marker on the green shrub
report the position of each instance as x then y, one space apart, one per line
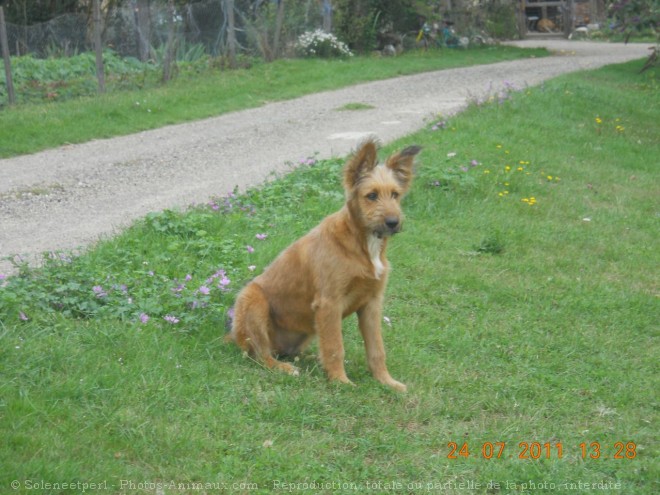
321 44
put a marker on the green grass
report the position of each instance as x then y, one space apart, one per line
511 321
352 107
33 127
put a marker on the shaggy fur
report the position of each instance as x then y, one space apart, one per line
337 269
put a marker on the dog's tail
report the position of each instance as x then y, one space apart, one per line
229 321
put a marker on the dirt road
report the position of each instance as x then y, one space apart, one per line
69 197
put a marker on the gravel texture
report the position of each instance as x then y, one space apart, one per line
69 197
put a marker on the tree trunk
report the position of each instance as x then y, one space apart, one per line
327 16
100 74
143 29
231 32
278 28
11 97
169 58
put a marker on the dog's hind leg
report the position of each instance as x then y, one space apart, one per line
252 328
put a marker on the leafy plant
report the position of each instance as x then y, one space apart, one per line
634 17
318 43
493 243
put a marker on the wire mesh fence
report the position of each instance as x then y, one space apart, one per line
140 29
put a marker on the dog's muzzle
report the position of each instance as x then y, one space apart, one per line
391 226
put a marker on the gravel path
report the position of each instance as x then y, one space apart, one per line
71 196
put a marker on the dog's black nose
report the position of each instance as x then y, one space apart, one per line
392 222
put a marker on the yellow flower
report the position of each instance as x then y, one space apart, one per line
599 120
549 177
499 146
520 169
507 168
486 171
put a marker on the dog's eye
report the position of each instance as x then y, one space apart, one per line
395 195
372 196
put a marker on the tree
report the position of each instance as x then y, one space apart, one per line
358 21
231 32
143 22
98 47
326 9
636 16
169 60
28 12
278 28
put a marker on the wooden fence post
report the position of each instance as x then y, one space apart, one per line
11 97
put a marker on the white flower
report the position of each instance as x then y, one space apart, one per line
322 44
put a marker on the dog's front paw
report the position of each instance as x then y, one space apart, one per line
342 379
398 386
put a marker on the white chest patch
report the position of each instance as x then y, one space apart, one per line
375 244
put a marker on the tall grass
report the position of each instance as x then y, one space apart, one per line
525 329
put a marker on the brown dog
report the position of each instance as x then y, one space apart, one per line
337 269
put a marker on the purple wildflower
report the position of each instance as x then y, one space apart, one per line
98 290
171 319
218 274
439 125
250 249
224 282
204 290
23 316
144 317
178 289
261 237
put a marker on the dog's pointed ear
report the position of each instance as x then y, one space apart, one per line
402 165
363 161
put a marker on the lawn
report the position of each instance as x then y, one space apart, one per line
522 313
201 90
